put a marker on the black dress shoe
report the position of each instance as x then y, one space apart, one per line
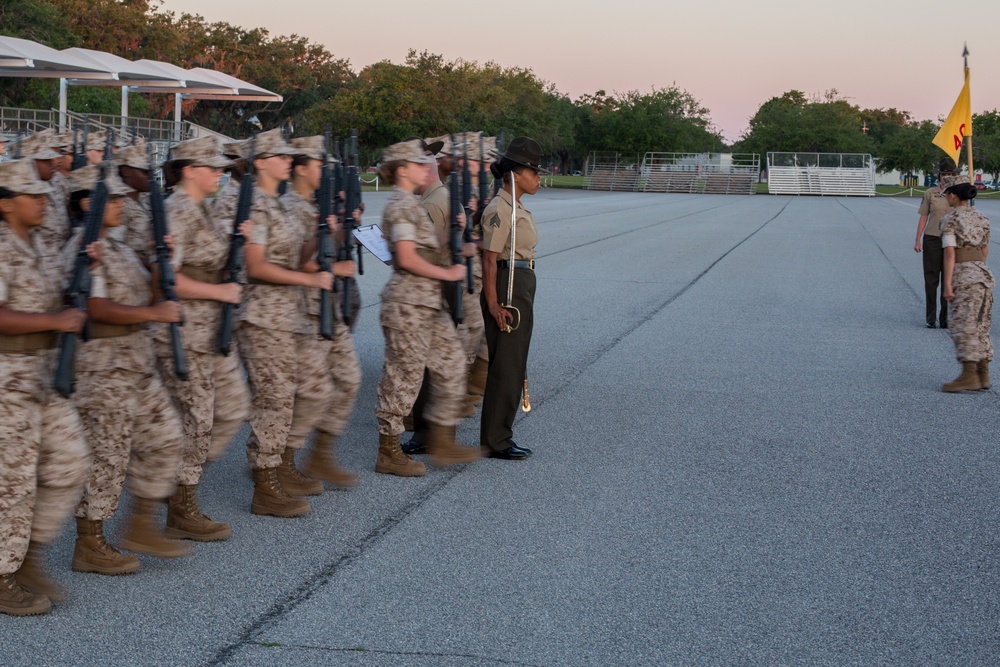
413 447
931 325
944 325
512 453
524 449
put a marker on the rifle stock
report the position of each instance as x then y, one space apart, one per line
455 243
234 263
324 244
167 278
78 291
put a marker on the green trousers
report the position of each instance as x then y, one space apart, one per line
508 361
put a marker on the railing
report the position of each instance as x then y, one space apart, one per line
837 174
14 120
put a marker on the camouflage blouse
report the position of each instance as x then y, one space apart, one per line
276 307
970 228
122 278
404 219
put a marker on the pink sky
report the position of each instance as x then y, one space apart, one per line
732 56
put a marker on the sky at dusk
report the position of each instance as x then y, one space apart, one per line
731 55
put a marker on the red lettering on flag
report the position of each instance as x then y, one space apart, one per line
959 137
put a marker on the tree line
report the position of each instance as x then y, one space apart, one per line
829 123
424 96
427 95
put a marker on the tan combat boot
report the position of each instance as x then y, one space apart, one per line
983 367
476 384
92 553
392 461
445 451
185 520
270 499
33 576
18 601
967 380
143 533
322 463
294 482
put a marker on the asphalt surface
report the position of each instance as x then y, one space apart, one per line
742 457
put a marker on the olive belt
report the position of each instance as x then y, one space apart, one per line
969 254
28 343
101 330
518 264
202 275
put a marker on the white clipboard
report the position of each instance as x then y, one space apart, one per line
373 241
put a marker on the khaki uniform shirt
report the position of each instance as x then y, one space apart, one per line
122 278
496 229
935 206
29 283
277 307
969 228
203 244
404 219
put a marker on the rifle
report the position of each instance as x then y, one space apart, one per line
352 200
484 188
470 281
167 280
234 264
501 140
455 243
324 244
78 290
80 154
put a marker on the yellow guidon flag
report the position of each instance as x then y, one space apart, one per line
958 125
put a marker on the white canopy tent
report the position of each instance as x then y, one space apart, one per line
24 58
85 67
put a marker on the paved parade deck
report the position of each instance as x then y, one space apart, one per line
742 456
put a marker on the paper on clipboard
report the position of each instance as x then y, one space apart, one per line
373 241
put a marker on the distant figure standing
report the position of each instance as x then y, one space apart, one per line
934 207
968 284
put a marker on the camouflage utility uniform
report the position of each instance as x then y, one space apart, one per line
214 401
341 357
43 456
289 380
418 330
129 421
971 311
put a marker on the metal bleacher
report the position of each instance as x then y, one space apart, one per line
607 171
823 174
701 173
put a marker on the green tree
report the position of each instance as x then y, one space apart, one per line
794 123
986 143
908 149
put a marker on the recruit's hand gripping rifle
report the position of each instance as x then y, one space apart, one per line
166 271
324 244
78 291
234 264
455 242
